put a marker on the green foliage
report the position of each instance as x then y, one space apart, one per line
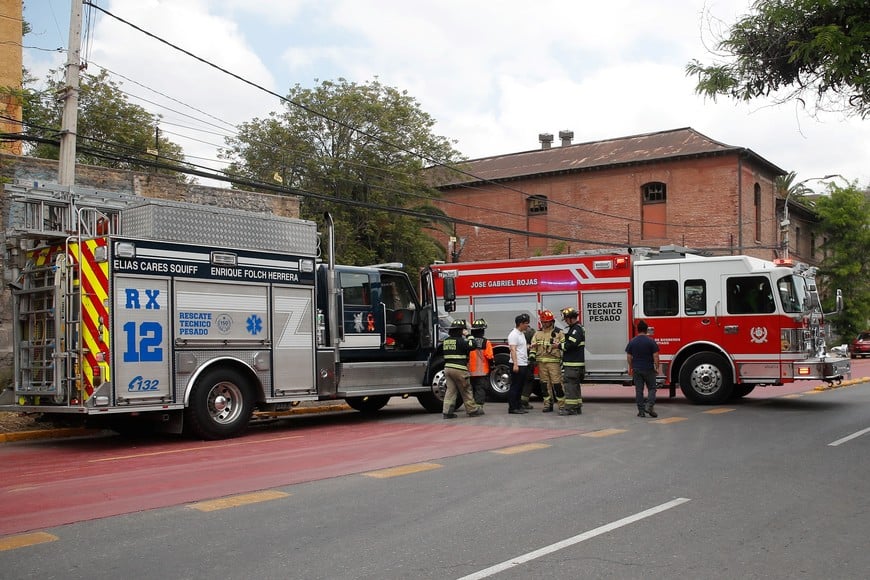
815 48
107 122
359 146
845 224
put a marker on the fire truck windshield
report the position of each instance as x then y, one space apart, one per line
794 293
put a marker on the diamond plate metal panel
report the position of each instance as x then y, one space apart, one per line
214 226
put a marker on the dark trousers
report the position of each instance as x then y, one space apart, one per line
518 380
641 378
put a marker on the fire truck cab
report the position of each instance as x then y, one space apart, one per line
724 324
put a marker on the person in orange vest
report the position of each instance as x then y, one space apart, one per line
479 361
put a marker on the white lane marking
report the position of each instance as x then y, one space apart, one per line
849 437
492 570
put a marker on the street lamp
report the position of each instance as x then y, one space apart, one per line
784 224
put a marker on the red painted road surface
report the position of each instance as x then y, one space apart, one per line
48 484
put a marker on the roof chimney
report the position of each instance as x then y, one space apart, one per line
566 137
546 140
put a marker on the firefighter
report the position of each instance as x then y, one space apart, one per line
479 361
546 351
456 348
573 362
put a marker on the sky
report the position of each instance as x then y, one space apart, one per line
494 74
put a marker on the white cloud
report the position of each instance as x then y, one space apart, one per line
493 74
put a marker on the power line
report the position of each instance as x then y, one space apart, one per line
422 156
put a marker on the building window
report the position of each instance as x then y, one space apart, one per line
654 211
537 222
655 192
757 213
797 241
813 245
661 298
537 205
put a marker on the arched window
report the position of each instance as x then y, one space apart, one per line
536 208
654 210
757 213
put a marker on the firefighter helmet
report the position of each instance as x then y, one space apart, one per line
460 324
569 312
547 316
478 324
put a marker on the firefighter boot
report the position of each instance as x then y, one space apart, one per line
548 406
450 414
651 411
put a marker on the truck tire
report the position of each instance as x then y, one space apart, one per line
434 401
705 378
370 404
220 405
499 378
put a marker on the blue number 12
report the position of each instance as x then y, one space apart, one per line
144 345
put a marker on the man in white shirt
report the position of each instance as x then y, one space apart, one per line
519 364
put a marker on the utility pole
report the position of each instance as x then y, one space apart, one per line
69 121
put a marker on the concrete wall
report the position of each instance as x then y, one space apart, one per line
13 167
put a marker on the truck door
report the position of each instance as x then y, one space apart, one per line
750 329
141 335
606 321
360 312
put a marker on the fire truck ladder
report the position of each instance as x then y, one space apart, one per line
47 288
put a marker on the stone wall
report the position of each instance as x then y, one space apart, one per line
151 185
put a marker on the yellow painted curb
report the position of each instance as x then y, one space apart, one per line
46 434
13 436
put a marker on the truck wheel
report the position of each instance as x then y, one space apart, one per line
706 379
742 390
220 405
499 379
434 401
370 404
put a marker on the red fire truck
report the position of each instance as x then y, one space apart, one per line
724 324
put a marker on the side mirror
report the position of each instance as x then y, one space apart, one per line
449 294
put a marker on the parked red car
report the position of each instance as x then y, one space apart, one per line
861 345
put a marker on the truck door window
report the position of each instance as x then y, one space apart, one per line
660 298
396 292
356 289
749 295
695 295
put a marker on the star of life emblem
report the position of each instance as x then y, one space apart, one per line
358 322
758 334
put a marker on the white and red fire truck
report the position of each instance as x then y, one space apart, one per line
724 324
130 310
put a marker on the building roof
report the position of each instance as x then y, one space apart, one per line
593 155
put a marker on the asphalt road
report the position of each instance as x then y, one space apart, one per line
775 486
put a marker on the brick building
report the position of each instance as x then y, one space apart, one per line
670 187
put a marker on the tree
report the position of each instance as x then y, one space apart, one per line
845 225
786 186
362 146
112 131
814 48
